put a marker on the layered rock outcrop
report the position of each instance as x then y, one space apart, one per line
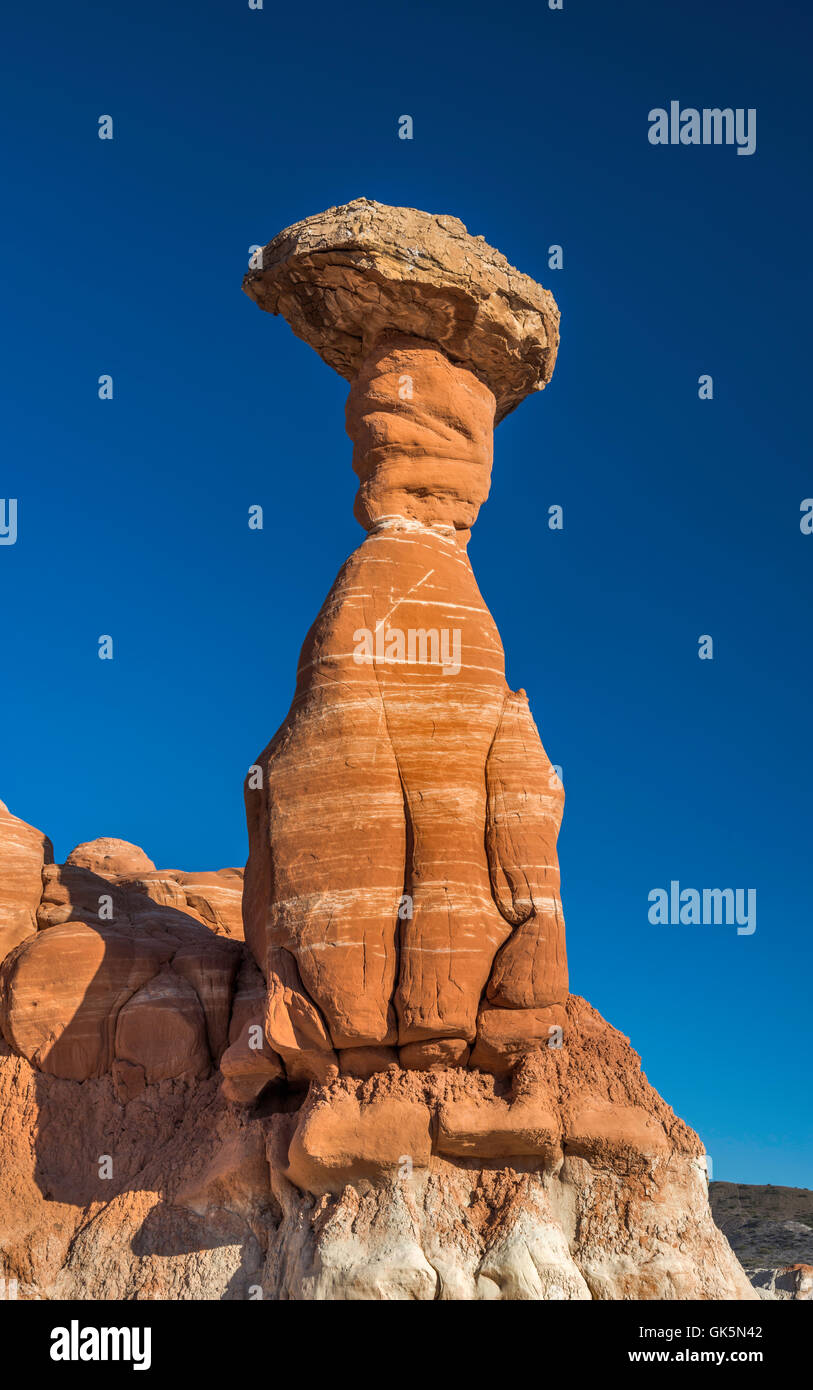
402 886
123 969
573 1181
130 1167
386 1091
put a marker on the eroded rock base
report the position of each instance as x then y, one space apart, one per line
570 1180
469 1232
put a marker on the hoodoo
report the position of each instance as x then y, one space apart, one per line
393 777
386 1091
471 1130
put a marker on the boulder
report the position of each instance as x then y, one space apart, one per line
110 858
103 935
61 991
352 275
111 880
340 1139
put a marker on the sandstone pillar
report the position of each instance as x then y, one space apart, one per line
402 888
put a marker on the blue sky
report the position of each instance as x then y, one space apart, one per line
681 516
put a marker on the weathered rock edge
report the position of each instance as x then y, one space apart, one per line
575 1181
348 277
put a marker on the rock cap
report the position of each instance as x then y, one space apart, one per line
349 277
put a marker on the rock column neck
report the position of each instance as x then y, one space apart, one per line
423 435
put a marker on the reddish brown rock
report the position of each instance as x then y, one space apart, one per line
403 826
161 1030
111 880
210 968
339 1139
506 1035
474 1128
110 858
180 1210
576 1182
248 1063
109 921
293 1025
524 812
24 852
579 1183
422 431
61 991
366 1061
434 1055
401 899
216 899
74 893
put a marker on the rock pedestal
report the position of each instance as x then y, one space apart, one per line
470 1131
402 888
576 1181
386 1091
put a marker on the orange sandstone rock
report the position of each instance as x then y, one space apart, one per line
24 852
162 1030
366 1061
470 1131
432 1182
402 831
117 935
578 1183
248 1063
529 1127
344 1140
434 1055
61 992
110 858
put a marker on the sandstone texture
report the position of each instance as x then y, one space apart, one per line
402 887
24 852
352 275
385 1091
110 858
124 970
573 1181
153 1144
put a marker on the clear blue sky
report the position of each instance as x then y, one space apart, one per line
681 516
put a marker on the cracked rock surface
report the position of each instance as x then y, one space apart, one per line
348 277
572 1181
